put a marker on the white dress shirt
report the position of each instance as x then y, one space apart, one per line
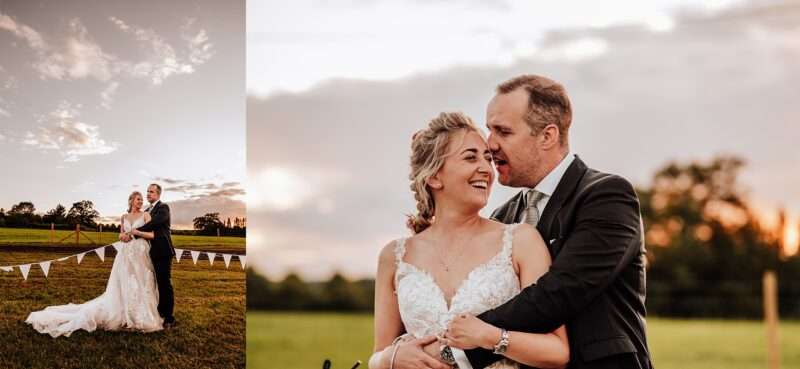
546 186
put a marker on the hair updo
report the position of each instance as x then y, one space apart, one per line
130 199
428 153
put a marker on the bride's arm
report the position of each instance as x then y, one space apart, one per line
145 235
532 259
122 234
388 324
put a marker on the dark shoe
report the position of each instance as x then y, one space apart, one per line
171 324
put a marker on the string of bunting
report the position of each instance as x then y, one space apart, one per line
101 251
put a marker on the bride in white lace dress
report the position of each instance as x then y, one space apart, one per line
457 264
130 300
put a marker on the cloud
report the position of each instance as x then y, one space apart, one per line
161 60
165 179
4 113
641 98
107 95
204 200
64 133
80 57
31 36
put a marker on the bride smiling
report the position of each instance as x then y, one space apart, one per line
457 264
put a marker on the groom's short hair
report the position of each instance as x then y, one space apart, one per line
547 102
157 186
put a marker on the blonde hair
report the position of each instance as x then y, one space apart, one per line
428 153
131 197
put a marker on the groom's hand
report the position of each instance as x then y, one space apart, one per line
410 355
124 237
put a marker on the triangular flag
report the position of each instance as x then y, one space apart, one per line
118 246
211 256
45 265
7 269
242 260
64 258
25 269
195 255
227 258
80 257
101 252
178 253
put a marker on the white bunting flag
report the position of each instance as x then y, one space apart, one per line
211 256
80 257
227 258
195 255
25 269
7 269
242 260
178 253
118 246
101 253
45 265
64 258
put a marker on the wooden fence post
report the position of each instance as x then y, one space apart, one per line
771 320
100 236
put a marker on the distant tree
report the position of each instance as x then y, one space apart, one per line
22 214
208 224
23 208
83 213
56 215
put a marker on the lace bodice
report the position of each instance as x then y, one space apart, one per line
423 307
127 226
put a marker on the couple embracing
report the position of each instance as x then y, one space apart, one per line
138 295
556 277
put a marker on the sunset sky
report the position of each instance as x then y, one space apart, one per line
100 98
336 90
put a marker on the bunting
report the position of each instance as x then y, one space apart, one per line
100 252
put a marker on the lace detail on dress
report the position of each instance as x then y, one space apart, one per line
130 300
423 307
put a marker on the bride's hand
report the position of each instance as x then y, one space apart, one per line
468 332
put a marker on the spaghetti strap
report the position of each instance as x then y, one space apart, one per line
399 250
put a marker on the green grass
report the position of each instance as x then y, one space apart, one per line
302 341
22 236
209 305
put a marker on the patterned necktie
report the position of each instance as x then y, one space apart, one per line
532 212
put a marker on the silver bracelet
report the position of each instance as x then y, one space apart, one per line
395 346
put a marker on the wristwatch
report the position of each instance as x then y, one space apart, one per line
446 354
501 346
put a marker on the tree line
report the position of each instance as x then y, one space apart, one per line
83 213
707 250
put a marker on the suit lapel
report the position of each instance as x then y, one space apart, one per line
511 211
566 186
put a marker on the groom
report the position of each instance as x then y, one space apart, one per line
161 252
591 223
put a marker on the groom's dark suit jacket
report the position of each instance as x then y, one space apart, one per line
596 285
159 224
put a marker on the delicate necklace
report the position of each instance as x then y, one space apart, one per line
447 265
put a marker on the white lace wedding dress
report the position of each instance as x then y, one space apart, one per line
422 303
129 301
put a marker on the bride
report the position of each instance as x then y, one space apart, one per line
130 298
457 264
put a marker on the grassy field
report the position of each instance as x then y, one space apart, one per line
209 305
22 236
303 341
